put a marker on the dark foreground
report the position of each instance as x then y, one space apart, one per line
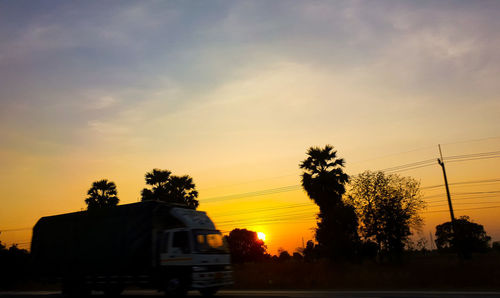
276 294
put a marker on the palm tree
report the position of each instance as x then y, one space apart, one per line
102 194
157 178
170 188
324 180
182 190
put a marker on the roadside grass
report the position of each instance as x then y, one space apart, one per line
443 272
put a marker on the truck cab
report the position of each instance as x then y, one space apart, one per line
195 256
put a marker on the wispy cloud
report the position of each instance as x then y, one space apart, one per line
127 67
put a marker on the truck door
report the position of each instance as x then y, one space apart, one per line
163 246
178 248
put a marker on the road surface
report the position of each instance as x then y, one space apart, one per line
278 294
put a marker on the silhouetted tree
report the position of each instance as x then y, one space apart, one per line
283 255
368 249
388 208
496 246
15 266
297 256
102 194
4 271
469 237
324 181
169 188
310 252
245 246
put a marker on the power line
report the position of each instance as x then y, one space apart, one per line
306 217
478 158
464 182
466 203
304 207
267 209
298 187
389 155
410 165
354 162
361 161
481 154
253 193
300 215
455 158
412 168
446 210
248 182
15 230
400 168
251 222
487 197
465 194
473 140
269 217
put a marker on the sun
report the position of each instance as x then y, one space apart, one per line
261 236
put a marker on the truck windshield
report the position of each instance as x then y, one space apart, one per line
208 241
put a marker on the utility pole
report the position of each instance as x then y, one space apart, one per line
441 163
456 235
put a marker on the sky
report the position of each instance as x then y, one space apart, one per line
233 93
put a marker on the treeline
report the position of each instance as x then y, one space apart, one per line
372 215
245 247
15 266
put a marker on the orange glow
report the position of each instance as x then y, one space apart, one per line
234 198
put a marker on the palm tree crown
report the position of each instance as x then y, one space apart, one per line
102 194
323 177
170 188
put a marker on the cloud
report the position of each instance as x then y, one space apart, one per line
121 67
103 103
108 128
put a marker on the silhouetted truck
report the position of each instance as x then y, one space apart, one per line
150 244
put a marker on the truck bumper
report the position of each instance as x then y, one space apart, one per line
201 280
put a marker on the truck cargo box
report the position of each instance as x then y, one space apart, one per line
116 240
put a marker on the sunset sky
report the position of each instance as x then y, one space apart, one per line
233 93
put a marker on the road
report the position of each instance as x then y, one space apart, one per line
279 294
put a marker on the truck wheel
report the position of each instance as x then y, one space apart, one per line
175 288
209 292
